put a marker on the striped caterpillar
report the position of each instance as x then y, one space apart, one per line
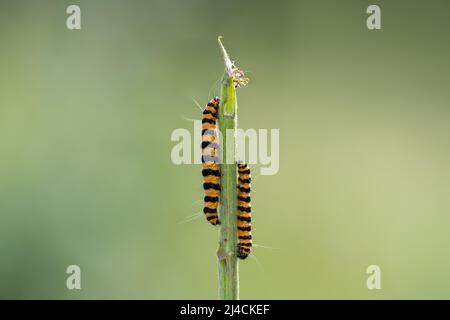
244 210
210 165
211 181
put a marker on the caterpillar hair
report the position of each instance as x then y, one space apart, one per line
244 211
210 163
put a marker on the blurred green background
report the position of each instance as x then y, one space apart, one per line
85 170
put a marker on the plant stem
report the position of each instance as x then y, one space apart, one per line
227 260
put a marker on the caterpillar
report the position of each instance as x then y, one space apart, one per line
211 181
244 210
210 165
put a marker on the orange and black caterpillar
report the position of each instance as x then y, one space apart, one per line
210 163
244 210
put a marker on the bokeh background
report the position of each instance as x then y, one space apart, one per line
85 170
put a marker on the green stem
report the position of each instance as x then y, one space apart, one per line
227 260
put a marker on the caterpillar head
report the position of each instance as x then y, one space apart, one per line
241 254
214 104
241 164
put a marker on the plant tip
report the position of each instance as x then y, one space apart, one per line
238 76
